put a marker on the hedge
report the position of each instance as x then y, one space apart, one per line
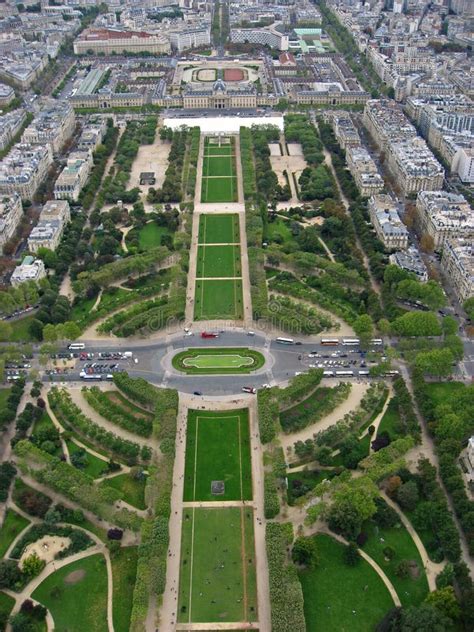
286 595
299 387
116 413
270 496
267 406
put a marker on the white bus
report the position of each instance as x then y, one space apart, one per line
330 342
92 376
285 341
394 373
344 373
377 342
328 373
76 346
351 342
364 373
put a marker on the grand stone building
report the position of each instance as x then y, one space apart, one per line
220 96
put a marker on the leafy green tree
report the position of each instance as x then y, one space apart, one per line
351 554
6 331
364 329
444 600
469 308
437 362
33 565
305 552
425 618
10 574
407 495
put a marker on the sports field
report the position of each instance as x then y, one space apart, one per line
219 229
214 361
217 575
219 181
218 261
218 299
217 449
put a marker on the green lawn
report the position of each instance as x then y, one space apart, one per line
149 236
391 422
218 261
218 166
443 392
279 231
95 467
124 571
117 398
411 591
11 527
78 601
133 491
342 598
221 189
218 449
21 329
4 394
305 410
218 577
219 229
218 361
218 299
82 308
6 606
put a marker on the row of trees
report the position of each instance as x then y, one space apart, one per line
115 413
172 189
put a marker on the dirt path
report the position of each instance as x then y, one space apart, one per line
358 391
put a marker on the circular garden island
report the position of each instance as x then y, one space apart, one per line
219 361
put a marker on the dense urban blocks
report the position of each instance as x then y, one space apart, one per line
218 361
219 229
218 573
218 449
218 261
218 299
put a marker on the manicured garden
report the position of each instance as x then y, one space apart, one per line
218 449
124 571
219 189
218 361
219 182
149 236
218 261
217 575
132 488
76 596
85 460
342 597
218 299
219 229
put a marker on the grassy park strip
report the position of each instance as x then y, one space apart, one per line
218 361
219 229
219 181
218 299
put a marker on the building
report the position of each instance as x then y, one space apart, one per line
387 223
442 215
465 164
92 135
30 269
7 94
11 212
74 176
411 261
52 221
220 96
364 171
24 169
414 166
110 41
190 38
458 265
10 125
264 36
344 130
470 459
54 124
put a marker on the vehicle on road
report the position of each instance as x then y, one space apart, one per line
199 393
249 389
330 342
285 341
209 334
76 346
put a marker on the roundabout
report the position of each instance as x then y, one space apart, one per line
218 361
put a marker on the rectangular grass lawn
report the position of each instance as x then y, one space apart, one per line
218 449
218 166
218 299
218 574
219 229
223 189
218 261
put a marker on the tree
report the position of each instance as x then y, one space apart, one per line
444 600
71 330
351 554
10 574
305 552
403 569
427 243
407 495
6 331
364 329
425 618
437 362
469 307
49 258
32 565
21 622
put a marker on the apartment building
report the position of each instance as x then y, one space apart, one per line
7 94
190 38
384 216
264 36
443 215
74 176
411 261
54 125
465 164
458 264
24 169
30 269
364 171
414 166
10 125
345 131
11 212
53 219
386 123
110 42
92 135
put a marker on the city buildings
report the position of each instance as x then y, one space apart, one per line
110 42
411 261
10 125
458 265
190 38
30 269
24 169
74 176
53 219
7 94
364 171
54 125
387 223
263 36
11 212
442 215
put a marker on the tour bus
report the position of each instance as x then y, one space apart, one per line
285 341
76 346
364 373
377 342
394 373
344 373
330 342
351 342
92 376
328 373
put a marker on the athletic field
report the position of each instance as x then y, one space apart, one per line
217 574
219 180
218 450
